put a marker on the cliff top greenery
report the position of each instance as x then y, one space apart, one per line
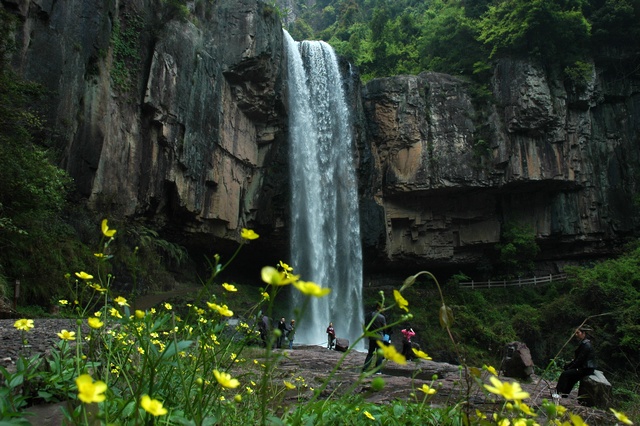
461 37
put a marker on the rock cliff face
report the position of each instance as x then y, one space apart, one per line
452 171
182 122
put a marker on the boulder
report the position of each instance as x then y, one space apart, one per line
517 361
595 391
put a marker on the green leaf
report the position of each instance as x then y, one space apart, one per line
446 316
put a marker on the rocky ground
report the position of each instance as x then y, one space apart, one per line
314 364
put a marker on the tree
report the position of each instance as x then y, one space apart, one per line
552 31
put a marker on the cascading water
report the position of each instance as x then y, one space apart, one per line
325 227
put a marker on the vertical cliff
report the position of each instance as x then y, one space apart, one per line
164 113
453 169
178 117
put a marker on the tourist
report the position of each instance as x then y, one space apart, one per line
282 326
263 328
291 332
583 364
407 334
375 323
331 336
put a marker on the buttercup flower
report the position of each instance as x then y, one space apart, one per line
421 354
63 302
510 391
621 417
139 314
289 385
311 289
114 313
369 415
272 276
490 369
222 310
524 408
229 287
94 322
391 353
401 301
90 391
121 301
67 335
106 231
577 420
152 406
225 379
248 234
84 276
168 306
265 295
23 324
427 390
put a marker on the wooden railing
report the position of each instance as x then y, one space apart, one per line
520 282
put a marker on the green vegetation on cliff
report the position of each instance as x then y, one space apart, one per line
461 37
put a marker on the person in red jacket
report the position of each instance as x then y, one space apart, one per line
331 336
407 334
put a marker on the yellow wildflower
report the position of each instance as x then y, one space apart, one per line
63 302
229 287
168 306
421 354
139 314
427 390
121 301
289 385
94 322
525 408
265 295
401 301
23 324
272 276
248 234
222 310
621 416
114 313
510 391
152 406
391 353
106 231
90 391
490 369
225 379
84 276
577 420
67 335
311 289
369 415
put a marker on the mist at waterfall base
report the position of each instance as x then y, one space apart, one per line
325 226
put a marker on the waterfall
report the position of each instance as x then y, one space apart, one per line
325 224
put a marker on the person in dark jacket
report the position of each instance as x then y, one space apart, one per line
583 364
376 323
282 326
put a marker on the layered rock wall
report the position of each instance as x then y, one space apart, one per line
453 170
180 119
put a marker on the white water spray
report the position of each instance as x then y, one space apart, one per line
325 227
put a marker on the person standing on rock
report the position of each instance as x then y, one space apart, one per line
583 364
374 323
331 336
282 326
291 332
